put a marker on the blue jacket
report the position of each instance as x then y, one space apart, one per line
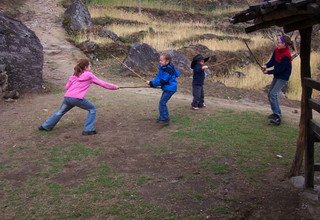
282 69
166 78
198 75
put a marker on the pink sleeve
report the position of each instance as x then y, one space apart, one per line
103 84
68 84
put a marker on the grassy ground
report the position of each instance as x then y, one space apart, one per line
69 179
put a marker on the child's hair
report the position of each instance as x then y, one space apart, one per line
166 56
81 65
287 40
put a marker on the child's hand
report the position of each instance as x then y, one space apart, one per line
205 67
263 69
117 87
148 83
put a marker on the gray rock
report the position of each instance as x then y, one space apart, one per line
108 34
88 46
22 54
141 58
180 61
297 181
77 17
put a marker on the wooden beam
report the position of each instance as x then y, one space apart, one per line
306 139
280 22
317 167
314 8
315 105
307 23
314 84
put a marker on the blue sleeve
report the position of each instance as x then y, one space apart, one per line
285 62
161 78
271 62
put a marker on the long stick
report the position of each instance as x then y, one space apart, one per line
128 87
217 64
252 54
130 69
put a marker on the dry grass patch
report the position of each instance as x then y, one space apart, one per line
234 45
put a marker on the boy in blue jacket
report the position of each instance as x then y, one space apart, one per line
198 67
166 78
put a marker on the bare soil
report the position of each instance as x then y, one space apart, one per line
125 123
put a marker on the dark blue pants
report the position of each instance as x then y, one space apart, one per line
198 96
163 109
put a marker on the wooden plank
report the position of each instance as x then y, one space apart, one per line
280 22
311 83
315 127
306 113
302 24
315 105
317 167
314 8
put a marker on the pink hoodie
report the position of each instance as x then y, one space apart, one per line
77 87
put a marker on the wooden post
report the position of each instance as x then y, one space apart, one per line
305 50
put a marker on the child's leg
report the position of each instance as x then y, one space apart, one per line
55 117
163 109
90 123
275 89
201 97
196 91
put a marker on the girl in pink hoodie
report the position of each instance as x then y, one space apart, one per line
76 88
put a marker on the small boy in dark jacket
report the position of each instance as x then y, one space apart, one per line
166 78
199 68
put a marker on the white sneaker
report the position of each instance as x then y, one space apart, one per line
195 108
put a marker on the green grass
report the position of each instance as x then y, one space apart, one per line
244 137
227 143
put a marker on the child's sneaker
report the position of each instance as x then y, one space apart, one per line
272 116
276 120
166 122
195 108
89 132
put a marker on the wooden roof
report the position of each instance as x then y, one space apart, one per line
289 14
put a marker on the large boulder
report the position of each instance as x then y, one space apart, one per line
77 17
142 58
193 50
22 54
180 61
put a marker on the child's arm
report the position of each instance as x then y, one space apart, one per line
285 62
271 62
69 82
103 84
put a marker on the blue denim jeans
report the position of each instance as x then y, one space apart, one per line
67 104
163 109
198 96
273 95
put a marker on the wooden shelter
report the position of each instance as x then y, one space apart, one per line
294 15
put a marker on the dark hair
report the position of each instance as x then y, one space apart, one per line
287 41
166 56
80 67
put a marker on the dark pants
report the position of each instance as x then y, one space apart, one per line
198 96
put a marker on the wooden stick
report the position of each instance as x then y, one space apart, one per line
217 64
128 87
130 69
255 59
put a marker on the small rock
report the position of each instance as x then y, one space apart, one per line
297 181
295 111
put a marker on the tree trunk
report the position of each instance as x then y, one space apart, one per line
305 50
